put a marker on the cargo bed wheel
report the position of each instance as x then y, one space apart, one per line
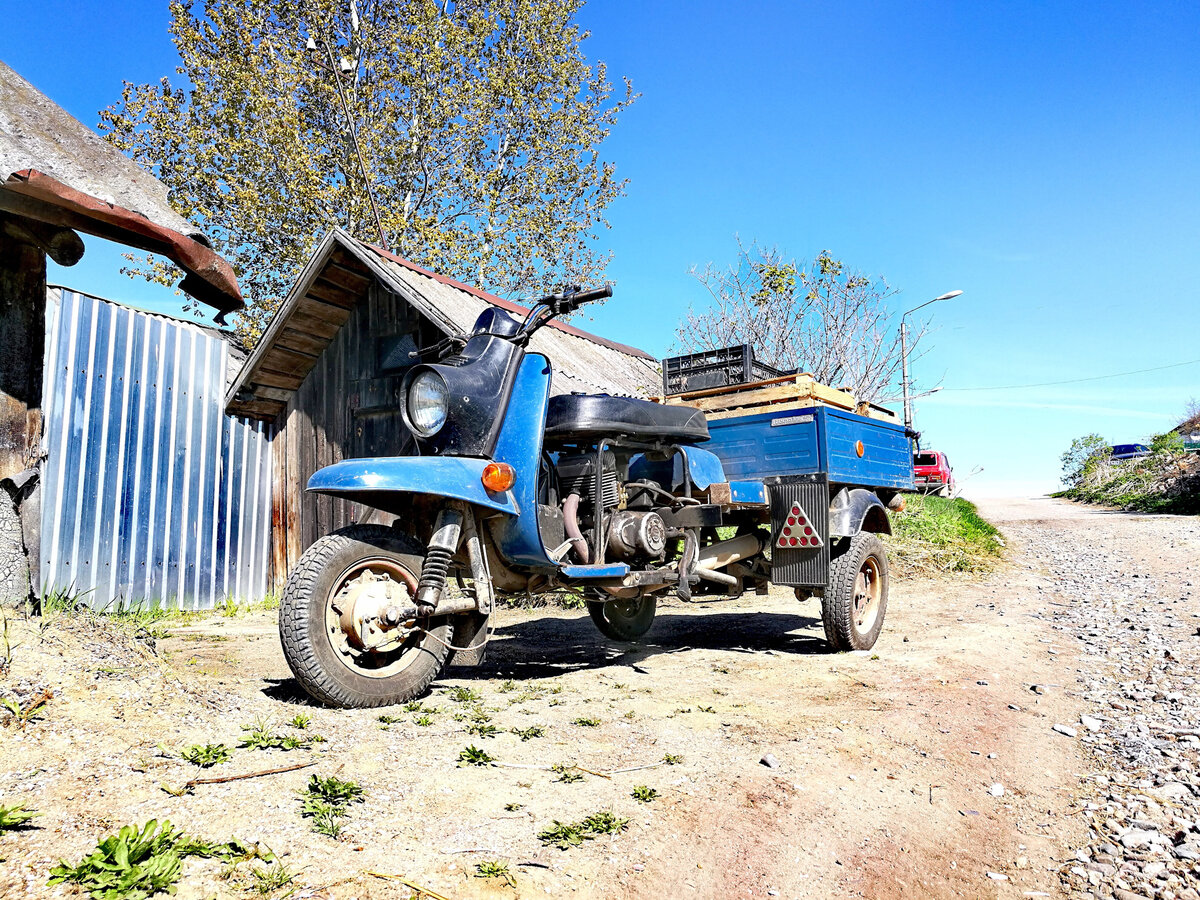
623 620
317 622
856 598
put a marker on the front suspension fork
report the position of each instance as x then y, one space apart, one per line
455 523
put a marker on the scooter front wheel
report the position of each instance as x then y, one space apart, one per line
331 624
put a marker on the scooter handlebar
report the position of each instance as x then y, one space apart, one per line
569 302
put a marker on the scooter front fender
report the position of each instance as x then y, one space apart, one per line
376 481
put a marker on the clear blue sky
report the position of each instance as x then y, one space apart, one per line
1044 158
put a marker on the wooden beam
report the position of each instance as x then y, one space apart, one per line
22 344
62 245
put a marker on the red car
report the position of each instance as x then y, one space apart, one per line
932 473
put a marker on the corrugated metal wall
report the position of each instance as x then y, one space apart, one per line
150 493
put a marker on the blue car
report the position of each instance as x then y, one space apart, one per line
1129 451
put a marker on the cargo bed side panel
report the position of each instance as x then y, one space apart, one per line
766 444
887 455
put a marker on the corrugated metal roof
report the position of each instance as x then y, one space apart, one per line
290 346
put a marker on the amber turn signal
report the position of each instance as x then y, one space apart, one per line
498 477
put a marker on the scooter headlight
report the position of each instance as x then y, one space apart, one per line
427 401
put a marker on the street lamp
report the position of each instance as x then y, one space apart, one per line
904 354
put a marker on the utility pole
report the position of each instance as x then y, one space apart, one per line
908 416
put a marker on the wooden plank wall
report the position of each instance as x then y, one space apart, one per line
345 408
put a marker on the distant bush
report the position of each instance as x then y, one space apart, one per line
934 534
1166 481
1083 457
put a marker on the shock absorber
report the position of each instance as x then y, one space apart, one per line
442 547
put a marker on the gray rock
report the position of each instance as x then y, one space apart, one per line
996 790
1063 729
1090 723
769 761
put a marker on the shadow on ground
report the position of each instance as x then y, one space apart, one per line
552 645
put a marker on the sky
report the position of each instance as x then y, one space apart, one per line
1040 157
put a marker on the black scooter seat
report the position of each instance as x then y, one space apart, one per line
589 417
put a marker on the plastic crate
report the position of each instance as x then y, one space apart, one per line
715 368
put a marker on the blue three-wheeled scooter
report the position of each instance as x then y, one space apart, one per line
513 491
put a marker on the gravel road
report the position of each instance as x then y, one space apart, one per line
1121 596
1029 733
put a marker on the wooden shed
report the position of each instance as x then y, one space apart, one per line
328 370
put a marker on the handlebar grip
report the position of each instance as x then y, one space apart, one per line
577 300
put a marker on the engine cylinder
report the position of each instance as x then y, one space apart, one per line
636 535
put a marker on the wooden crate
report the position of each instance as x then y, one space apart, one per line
775 395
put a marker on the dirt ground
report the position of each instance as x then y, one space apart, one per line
887 761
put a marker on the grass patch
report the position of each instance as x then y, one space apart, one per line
564 836
326 802
14 817
643 794
138 862
935 534
205 755
473 756
261 736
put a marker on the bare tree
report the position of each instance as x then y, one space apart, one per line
821 318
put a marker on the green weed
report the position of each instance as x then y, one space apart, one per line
261 736
482 730
473 756
138 862
672 759
567 774
21 714
513 807
326 802
300 721
270 879
644 794
533 731
586 723
14 817
564 836
205 755
423 721
464 695
507 686
493 869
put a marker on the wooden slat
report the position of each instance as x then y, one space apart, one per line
256 409
331 293
355 281
736 388
309 345
276 379
279 359
796 388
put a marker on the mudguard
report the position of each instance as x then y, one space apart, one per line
855 509
377 481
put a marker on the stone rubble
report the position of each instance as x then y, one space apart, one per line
1138 654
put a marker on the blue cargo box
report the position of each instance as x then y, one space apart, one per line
810 441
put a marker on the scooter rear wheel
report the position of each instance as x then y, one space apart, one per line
624 620
324 649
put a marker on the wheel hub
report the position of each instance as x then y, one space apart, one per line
373 610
